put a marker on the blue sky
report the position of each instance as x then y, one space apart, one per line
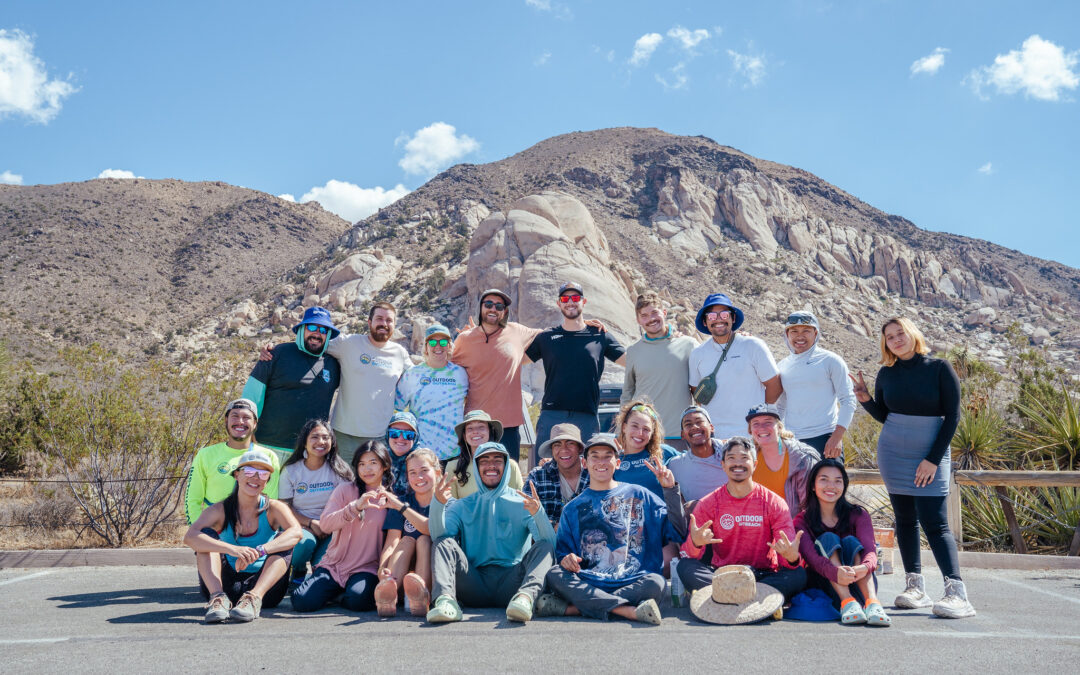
959 116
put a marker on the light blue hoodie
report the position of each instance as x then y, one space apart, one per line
818 395
492 524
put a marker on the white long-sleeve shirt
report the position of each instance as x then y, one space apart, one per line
818 395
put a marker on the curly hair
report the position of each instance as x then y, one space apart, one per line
645 408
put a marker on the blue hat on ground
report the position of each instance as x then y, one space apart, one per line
717 299
813 604
318 316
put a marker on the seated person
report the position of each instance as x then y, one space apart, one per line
494 563
409 538
838 546
255 536
745 524
699 470
401 437
308 476
560 476
783 462
354 516
639 435
474 430
610 547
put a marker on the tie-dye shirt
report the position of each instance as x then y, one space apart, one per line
437 398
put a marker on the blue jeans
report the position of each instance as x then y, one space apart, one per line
850 549
587 424
320 588
310 549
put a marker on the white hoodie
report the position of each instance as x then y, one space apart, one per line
818 395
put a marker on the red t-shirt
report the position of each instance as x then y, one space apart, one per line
746 526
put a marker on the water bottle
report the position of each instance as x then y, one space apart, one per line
678 591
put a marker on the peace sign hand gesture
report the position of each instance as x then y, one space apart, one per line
789 548
442 488
862 394
531 504
703 535
663 474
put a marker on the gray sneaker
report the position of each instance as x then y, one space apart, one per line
955 604
914 595
247 608
217 609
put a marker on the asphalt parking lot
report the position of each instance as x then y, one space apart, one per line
149 619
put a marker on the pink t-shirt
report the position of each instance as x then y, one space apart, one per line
746 527
493 364
356 544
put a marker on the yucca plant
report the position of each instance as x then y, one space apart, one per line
983 518
860 442
1052 516
980 442
1051 435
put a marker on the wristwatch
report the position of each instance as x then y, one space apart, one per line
403 509
261 551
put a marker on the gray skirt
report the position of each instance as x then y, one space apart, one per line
904 442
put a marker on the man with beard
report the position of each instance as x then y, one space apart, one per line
211 478
297 383
573 355
743 367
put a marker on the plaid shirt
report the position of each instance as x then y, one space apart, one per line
549 489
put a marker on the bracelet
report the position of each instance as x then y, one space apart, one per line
261 551
403 509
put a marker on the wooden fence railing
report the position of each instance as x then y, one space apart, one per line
998 480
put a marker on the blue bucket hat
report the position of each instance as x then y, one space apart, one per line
717 299
812 605
318 316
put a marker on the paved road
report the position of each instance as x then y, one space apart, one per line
148 619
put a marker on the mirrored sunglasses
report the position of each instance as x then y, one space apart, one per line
407 434
312 328
443 342
251 471
570 298
723 314
799 320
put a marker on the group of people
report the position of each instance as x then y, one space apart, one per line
377 483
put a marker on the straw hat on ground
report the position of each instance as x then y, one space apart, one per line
735 597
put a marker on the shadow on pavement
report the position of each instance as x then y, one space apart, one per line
179 595
187 615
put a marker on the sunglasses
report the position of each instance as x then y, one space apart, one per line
251 471
713 316
312 328
438 343
644 409
799 320
497 305
570 298
401 433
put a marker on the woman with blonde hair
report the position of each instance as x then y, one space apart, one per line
783 462
639 433
917 400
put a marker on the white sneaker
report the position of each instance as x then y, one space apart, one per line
955 604
914 595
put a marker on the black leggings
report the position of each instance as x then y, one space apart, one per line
932 514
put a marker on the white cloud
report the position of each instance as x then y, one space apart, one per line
931 63
117 173
558 10
25 87
688 38
542 5
987 168
1040 69
434 148
286 197
678 78
353 202
542 59
9 178
644 48
749 66
609 55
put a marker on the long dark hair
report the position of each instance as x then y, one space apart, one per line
464 458
377 448
231 505
844 509
333 459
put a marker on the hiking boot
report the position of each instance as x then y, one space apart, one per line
648 612
217 609
549 604
914 595
446 610
247 608
955 604
520 608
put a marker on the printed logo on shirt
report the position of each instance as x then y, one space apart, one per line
427 379
224 468
727 521
326 375
303 488
378 362
409 527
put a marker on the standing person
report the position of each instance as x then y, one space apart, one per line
297 384
609 547
211 478
917 400
700 470
818 402
658 366
434 391
638 434
242 544
474 430
746 524
494 565
401 437
563 478
743 364
838 546
308 477
492 353
354 514
783 462
573 355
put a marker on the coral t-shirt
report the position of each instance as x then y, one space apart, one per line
493 364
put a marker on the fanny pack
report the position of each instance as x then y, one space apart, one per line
706 389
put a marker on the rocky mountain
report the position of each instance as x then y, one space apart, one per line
131 263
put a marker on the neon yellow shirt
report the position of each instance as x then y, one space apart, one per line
211 477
